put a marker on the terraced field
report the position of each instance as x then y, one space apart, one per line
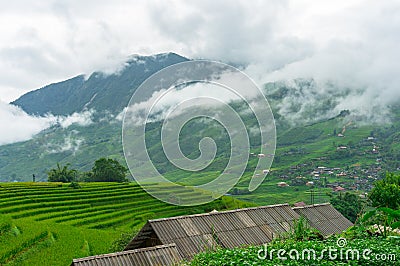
52 223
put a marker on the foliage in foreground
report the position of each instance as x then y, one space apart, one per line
304 245
250 255
386 192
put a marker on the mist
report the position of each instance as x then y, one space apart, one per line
17 125
352 44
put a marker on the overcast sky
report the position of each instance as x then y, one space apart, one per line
47 41
352 42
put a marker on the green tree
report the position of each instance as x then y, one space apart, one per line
386 192
108 170
347 204
62 174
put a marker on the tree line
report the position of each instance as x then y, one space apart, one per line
104 170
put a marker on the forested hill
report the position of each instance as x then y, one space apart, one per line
99 91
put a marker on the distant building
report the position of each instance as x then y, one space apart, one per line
283 184
338 189
299 204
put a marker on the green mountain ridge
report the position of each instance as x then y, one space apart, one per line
312 142
103 92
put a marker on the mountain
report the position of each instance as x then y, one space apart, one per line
99 91
316 134
101 97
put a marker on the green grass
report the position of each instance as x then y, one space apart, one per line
50 224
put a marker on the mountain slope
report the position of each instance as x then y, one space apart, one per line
100 91
313 141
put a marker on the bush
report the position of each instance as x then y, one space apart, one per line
62 174
74 185
108 170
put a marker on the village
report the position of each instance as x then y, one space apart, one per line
322 172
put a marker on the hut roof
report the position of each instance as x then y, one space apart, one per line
324 217
151 256
249 226
196 233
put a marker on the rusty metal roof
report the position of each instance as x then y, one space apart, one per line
324 217
196 233
151 256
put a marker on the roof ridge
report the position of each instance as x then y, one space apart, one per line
114 254
311 206
216 213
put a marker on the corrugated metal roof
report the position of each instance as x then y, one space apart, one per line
195 233
250 226
151 256
325 218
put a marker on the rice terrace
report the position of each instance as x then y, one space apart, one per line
51 223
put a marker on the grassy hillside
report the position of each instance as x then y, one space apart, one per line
300 151
357 151
52 223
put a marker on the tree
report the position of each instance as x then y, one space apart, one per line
386 192
347 204
108 170
62 174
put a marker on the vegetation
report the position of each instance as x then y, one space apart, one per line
108 170
84 219
250 255
349 204
386 192
52 223
385 218
306 246
385 198
301 231
303 147
104 170
381 240
62 174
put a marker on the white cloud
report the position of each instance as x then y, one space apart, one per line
16 125
70 143
350 42
81 119
169 103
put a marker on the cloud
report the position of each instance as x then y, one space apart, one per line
352 44
19 126
171 103
81 119
16 125
241 33
307 101
71 143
